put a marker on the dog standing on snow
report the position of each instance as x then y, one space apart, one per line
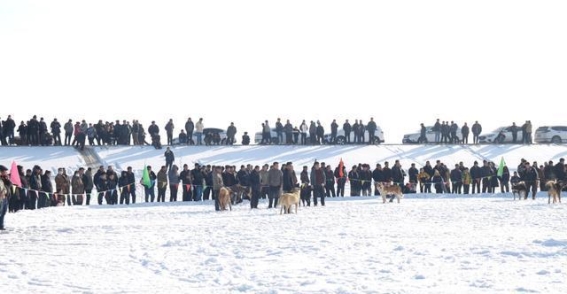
289 199
224 198
393 190
553 191
519 189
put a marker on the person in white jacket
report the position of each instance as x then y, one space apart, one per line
199 132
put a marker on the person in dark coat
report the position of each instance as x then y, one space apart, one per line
288 129
371 127
182 138
422 134
334 130
35 186
456 180
186 182
378 177
387 172
56 132
169 158
112 189
230 134
476 175
531 177
289 178
189 128
559 170
514 131
354 180
279 131
89 184
320 133
245 139
505 180
123 183
173 177
413 172
437 182
150 190
256 187
197 179
347 128
454 127
33 131
101 185
305 193
476 130
47 190
23 132
208 183
398 174
361 131
169 127
318 180
330 182
465 134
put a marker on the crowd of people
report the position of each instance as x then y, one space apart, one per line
39 132
314 133
317 182
446 133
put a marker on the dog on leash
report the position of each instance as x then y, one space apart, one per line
553 191
519 189
393 190
289 199
224 198
239 192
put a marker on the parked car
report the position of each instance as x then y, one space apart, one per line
414 138
211 136
341 138
551 134
502 135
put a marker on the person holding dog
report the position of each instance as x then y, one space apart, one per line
217 185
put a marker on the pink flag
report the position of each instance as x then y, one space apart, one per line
15 175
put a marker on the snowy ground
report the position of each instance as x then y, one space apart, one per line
426 244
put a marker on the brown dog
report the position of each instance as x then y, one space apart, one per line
393 190
224 198
289 199
240 192
553 191
519 189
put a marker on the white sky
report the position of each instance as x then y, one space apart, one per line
403 62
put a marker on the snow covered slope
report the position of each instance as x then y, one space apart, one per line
47 157
435 245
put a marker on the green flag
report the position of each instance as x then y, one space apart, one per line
146 177
501 167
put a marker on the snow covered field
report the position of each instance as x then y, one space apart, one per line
426 244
